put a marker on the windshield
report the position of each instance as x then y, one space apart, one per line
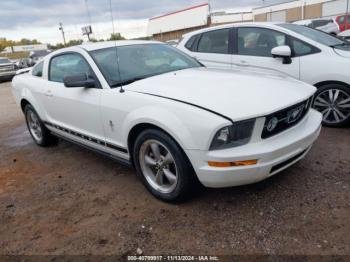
315 35
4 61
137 62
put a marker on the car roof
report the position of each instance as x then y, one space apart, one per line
263 24
107 44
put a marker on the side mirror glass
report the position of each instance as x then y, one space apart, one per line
79 80
283 52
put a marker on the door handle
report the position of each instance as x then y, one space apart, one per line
48 93
243 62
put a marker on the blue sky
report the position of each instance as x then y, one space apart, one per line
39 18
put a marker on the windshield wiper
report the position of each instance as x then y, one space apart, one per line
126 82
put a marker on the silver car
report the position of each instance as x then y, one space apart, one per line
327 25
7 69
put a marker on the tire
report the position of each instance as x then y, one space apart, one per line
333 101
43 137
177 163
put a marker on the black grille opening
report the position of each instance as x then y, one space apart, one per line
280 121
287 162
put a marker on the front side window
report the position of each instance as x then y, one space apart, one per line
38 70
67 65
137 62
341 20
259 41
348 18
216 42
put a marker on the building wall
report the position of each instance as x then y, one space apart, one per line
313 11
294 10
289 12
187 18
293 14
260 18
175 34
334 8
279 16
231 18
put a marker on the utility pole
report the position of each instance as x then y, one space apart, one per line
61 28
347 6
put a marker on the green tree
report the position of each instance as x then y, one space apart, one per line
116 36
5 43
74 42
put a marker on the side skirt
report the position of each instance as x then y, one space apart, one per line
118 159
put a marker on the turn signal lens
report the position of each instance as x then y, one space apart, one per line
235 163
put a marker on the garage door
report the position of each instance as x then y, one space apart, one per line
334 8
278 16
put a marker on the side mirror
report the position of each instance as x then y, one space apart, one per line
79 80
284 52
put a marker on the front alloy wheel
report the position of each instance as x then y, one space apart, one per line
158 166
163 166
333 102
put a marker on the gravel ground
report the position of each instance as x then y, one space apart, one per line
68 200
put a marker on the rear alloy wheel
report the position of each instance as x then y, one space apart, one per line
333 101
163 166
40 134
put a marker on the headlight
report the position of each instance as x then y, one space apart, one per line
235 135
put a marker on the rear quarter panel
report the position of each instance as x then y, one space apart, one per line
29 88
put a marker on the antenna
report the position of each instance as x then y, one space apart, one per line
89 17
88 11
121 90
111 10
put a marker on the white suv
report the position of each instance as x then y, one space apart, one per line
301 52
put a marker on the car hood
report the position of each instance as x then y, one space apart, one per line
343 51
236 94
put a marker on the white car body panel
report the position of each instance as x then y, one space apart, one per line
190 105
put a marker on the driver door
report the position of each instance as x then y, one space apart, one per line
254 45
73 111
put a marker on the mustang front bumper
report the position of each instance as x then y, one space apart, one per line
273 154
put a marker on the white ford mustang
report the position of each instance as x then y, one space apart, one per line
177 122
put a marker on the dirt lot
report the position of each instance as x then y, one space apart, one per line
68 200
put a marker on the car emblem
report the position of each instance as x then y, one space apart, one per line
272 124
294 114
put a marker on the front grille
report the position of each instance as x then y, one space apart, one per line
287 162
284 119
